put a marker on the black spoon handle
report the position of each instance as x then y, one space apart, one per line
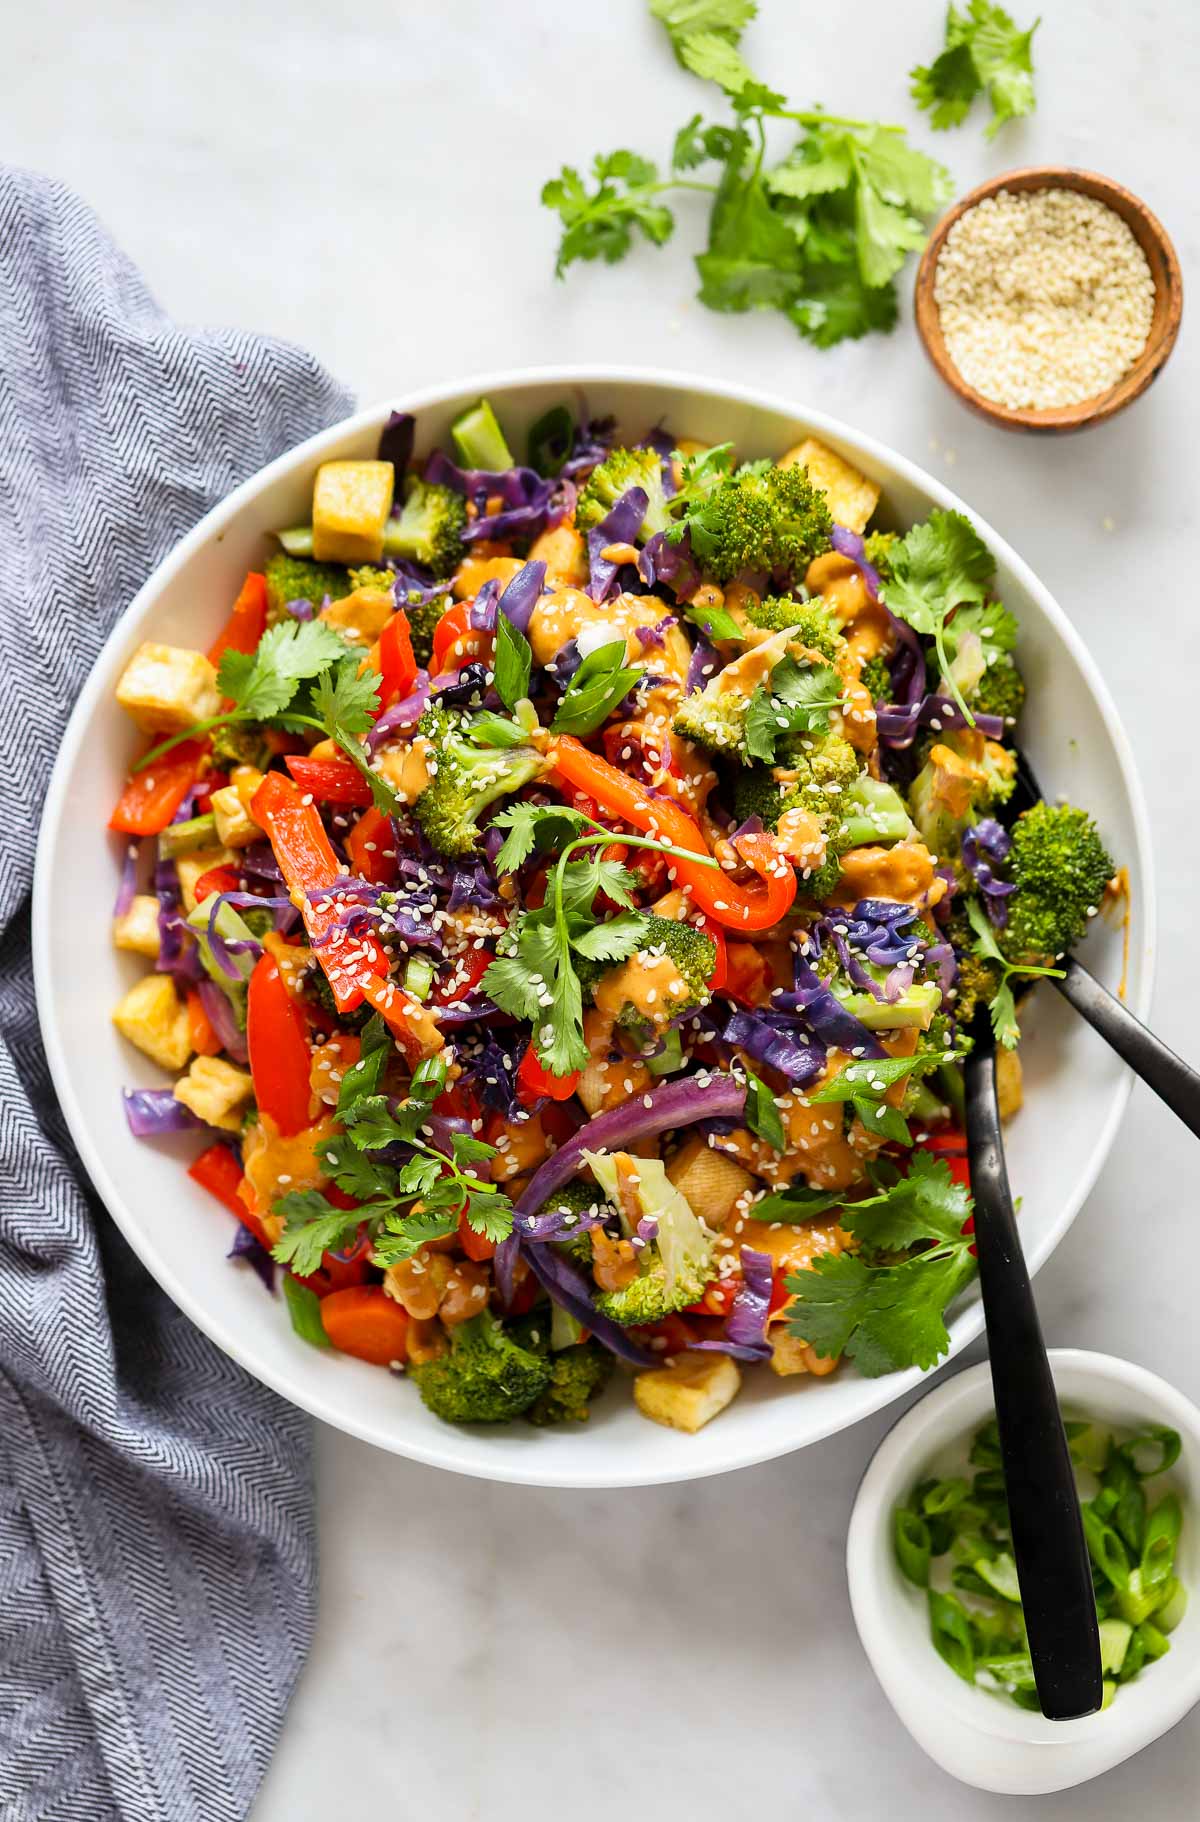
1173 1080
1048 1543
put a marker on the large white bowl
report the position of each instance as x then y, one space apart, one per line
1076 1090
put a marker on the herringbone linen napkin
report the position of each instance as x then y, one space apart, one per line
157 1564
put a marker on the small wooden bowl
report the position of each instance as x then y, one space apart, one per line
1161 257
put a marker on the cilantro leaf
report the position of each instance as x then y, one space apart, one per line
404 1235
262 683
363 1078
796 1203
1003 1007
714 58
601 682
513 663
798 701
887 1316
685 19
614 940
601 223
490 1215
342 697
533 826
984 49
312 1227
833 304
752 261
938 566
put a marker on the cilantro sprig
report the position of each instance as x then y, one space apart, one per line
819 236
416 1193
940 568
534 976
1003 1006
799 700
983 50
885 1312
301 675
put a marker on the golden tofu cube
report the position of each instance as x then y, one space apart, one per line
236 828
564 552
190 867
361 616
710 1181
850 496
153 1017
137 928
351 503
690 1393
788 1353
167 688
1010 1083
215 1092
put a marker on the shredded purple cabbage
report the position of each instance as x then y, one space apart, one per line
850 544
745 1336
154 1111
127 889
224 949
396 441
897 727
619 526
220 1015
985 847
704 664
473 885
525 496
663 561
249 1247
403 714
593 440
523 594
568 1288
414 586
464 688
492 1077
771 1038
825 1013
482 612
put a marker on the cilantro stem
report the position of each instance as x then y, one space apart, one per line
198 727
939 641
625 205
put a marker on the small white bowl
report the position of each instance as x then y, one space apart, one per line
984 1739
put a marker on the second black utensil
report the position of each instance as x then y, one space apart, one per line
1051 1555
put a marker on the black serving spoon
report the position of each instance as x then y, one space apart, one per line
1053 1567
1172 1080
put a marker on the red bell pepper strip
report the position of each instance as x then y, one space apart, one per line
308 864
411 1024
218 1171
329 780
280 1059
204 1040
950 1145
466 972
455 641
247 623
397 666
217 879
371 848
716 936
475 1246
534 1082
736 906
151 798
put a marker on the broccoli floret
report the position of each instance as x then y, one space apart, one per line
963 778
295 579
877 678
978 978
485 1378
715 722
314 985
620 470
239 743
819 883
429 527
579 1374
693 955
825 767
578 1197
380 581
877 548
465 777
811 621
774 520
757 792
423 617
675 1266
1060 868
1000 691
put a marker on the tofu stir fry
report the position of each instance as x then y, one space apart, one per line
566 892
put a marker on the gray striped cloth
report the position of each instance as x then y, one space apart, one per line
157 1561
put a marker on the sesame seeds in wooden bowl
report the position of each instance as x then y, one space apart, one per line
1048 299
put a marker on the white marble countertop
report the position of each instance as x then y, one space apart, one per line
364 179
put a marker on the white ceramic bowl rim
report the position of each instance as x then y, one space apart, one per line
451 1451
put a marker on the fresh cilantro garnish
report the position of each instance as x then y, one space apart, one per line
513 663
938 567
984 49
883 1313
304 1309
418 1193
346 704
602 680
534 976
798 701
1003 1006
819 236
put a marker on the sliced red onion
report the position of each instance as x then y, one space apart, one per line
679 1103
619 526
220 1015
403 714
154 1111
523 594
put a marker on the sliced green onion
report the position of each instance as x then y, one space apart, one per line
1104 1546
418 976
1114 1643
943 1496
1161 1541
910 1539
952 1634
1160 1444
999 1574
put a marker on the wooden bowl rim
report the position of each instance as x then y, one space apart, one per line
1151 236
